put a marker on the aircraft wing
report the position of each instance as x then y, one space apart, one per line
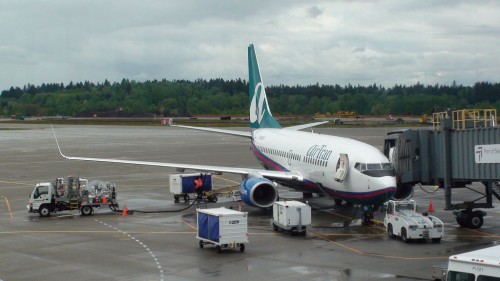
272 175
222 131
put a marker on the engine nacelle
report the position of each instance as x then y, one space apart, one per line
258 192
404 191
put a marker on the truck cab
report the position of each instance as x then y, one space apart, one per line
41 194
403 220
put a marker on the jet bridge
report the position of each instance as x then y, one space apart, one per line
461 148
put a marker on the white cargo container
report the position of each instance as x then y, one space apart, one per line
291 215
224 228
477 265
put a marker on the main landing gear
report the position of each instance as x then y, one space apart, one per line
367 215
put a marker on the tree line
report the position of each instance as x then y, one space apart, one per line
227 97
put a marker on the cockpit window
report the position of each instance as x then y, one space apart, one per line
376 169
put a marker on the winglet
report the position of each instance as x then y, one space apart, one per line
58 147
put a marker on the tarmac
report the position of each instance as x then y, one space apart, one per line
163 246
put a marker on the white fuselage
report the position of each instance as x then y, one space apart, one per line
316 157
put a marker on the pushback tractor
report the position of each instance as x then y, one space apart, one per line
77 194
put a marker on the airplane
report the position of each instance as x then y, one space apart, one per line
345 169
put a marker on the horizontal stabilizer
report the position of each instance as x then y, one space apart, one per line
222 131
305 126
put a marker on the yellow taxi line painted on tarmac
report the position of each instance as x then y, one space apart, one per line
375 254
8 206
224 179
188 224
339 215
18 183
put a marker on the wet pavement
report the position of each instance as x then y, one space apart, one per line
162 246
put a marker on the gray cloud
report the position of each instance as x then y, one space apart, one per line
297 42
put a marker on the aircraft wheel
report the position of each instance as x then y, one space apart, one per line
461 222
337 201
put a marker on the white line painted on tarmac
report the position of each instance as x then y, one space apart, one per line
158 265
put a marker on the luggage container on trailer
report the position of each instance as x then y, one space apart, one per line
224 228
182 185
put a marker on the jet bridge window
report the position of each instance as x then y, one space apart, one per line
376 169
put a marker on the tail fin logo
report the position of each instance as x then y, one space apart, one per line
258 108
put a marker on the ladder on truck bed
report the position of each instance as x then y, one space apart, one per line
74 194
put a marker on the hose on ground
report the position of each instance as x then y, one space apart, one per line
114 209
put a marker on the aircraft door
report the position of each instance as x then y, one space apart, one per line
342 168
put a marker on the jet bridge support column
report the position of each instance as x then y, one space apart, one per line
446 130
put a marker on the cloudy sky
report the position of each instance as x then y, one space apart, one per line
297 42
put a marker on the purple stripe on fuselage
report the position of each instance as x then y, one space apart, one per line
267 160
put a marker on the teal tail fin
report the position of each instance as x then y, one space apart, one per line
260 114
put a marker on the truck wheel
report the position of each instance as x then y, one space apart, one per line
214 199
242 247
86 210
404 235
176 198
275 227
389 231
186 197
44 211
201 244
475 220
218 248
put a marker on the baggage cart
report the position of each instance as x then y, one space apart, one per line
182 185
224 228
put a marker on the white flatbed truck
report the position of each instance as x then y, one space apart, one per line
76 194
293 216
403 220
479 265
224 228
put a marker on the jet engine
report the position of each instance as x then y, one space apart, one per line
258 192
404 191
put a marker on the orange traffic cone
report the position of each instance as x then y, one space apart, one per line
431 207
125 211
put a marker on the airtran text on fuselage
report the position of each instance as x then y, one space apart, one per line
319 152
